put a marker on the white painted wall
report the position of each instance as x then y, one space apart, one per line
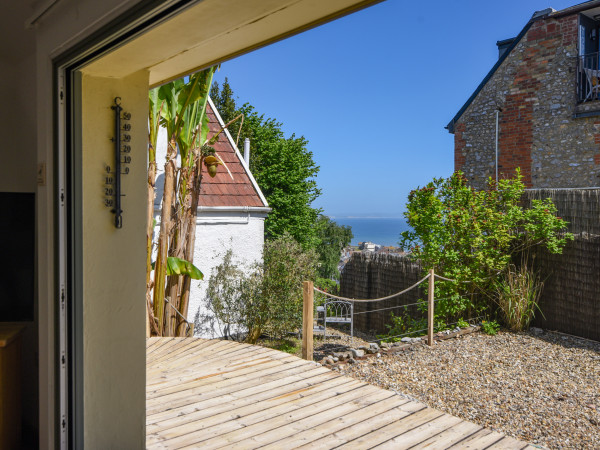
216 233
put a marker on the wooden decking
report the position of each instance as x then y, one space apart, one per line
221 394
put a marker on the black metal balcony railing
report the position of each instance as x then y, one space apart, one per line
588 77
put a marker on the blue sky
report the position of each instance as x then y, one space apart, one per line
373 91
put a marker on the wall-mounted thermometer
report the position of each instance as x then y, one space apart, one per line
122 143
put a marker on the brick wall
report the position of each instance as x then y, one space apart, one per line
536 89
459 147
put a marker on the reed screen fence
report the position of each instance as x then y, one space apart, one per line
570 300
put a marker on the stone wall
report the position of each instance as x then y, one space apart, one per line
536 89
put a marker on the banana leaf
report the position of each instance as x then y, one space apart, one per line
178 266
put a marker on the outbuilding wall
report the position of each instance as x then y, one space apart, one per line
216 233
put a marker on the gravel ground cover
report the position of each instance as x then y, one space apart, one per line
541 387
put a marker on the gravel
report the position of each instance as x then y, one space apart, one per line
541 387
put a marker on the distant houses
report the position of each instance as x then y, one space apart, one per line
367 246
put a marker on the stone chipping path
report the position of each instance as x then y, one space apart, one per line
541 387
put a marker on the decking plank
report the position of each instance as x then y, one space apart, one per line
184 346
508 443
449 437
226 356
215 383
421 433
338 423
214 393
243 388
392 430
175 363
479 440
257 414
260 433
266 392
246 405
365 426
158 344
195 378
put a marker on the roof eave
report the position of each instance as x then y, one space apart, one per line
450 126
238 154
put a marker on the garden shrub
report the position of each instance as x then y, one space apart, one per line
268 300
519 291
473 236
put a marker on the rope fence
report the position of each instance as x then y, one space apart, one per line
424 302
397 294
344 347
308 307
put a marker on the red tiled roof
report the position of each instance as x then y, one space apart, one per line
222 190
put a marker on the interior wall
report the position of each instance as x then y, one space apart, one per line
113 287
17 119
18 174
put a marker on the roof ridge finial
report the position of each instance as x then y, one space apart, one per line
542 13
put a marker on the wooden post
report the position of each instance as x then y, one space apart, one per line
307 320
430 307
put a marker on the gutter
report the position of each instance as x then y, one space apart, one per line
258 209
575 9
245 209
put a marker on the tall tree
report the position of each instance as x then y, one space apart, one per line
283 167
333 238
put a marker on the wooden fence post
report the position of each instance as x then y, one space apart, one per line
307 320
430 314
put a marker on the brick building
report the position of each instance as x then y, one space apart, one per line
539 106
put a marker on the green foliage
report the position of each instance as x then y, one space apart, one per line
490 327
333 238
178 266
283 168
290 345
472 236
403 325
462 323
327 285
518 293
182 111
286 266
267 300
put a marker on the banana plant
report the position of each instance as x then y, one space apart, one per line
181 109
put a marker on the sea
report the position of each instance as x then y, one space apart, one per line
381 231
